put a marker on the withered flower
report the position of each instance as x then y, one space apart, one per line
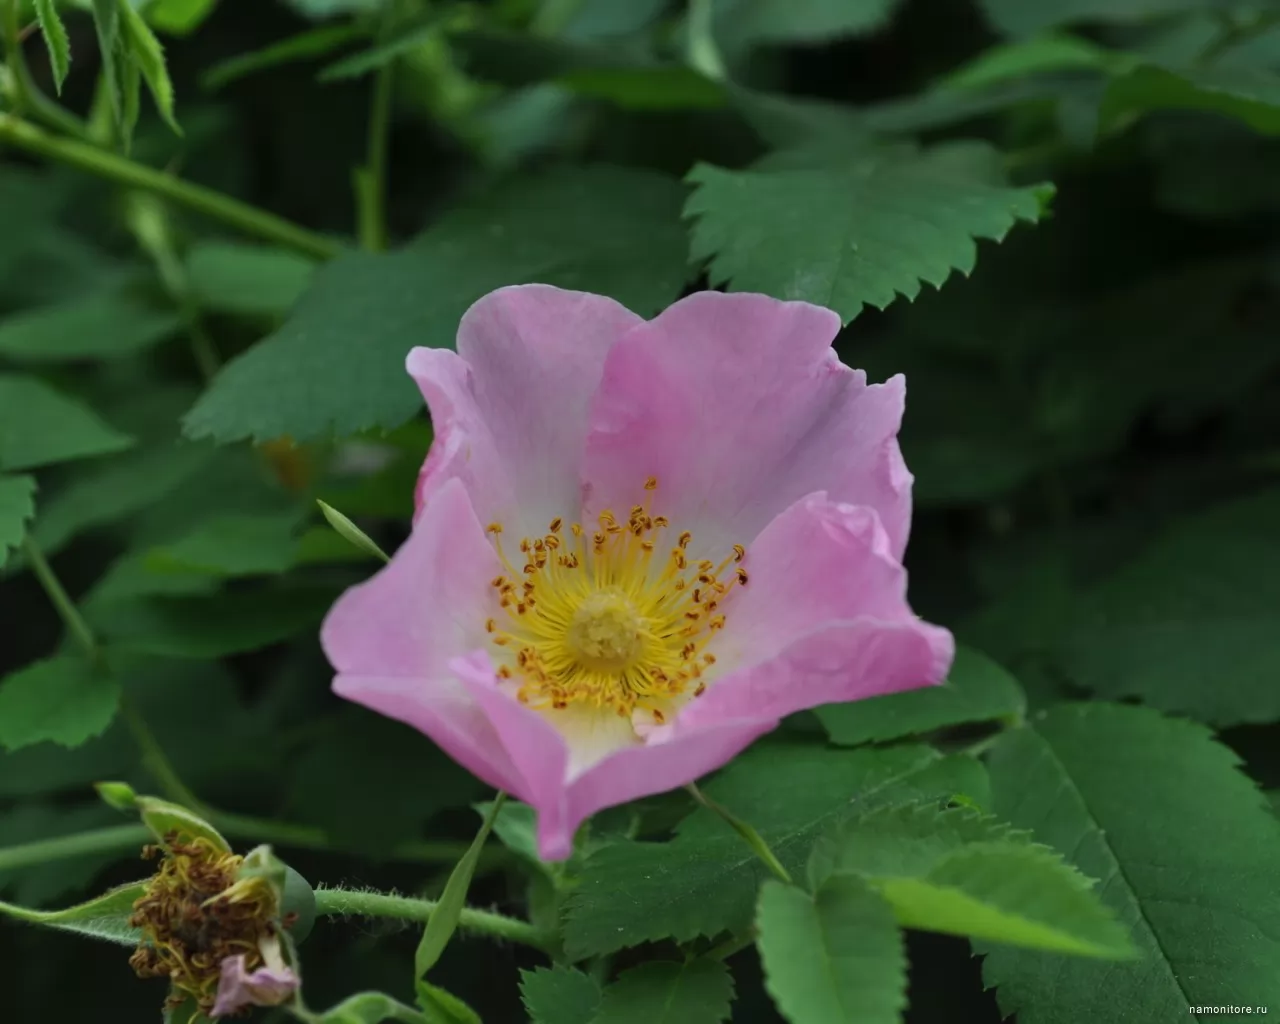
200 910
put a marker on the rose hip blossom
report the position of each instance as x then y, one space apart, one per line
638 545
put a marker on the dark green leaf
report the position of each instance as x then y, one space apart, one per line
60 699
1018 17
1251 95
600 229
247 279
835 957
741 22
1185 849
316 42
559 995
40 426
976 690
1189 625
233 545
109 324
703 881
106 917
17 506
847 231
660 992
55 38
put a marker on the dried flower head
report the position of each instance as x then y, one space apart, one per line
196 913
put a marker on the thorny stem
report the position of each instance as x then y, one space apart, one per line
27 136
349 902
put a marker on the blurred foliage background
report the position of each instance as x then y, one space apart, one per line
1093 415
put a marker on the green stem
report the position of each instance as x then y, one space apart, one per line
61 601
101 840
371 180
752 838
349 902
730 946
25 135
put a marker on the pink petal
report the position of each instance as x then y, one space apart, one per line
510 406
239 989
739 406
392 637
823 619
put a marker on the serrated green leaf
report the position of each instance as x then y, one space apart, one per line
209 626
233 545
559 995
844 231
106 917
1189 625
600 229
61 699
56 39
147 55
17 506
316 42
106 325
1185 849
835 957
976 690
744 22
661 992
40 426
247 279
1248 94
703 881
106 20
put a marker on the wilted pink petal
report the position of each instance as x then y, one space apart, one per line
639 546
238 988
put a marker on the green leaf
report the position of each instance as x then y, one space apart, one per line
661 992
54 877
976 690
370 1008
116 489
853 230
559 995
147 55
444 920
703 881
105 325
1018 17
1053 51
164 818
55 38
360 63
1248 94
744 22
59 699
599 229
106 917
441 1007
351 533
1189 625
210 626
1185 848
316 42
179 17
251 280
40 426
17 506
106 20
836 956
233 545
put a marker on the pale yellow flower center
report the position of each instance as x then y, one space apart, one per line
589 619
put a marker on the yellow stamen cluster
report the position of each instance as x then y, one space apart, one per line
590 619
195 913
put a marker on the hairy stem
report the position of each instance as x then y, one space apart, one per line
350 902
249 219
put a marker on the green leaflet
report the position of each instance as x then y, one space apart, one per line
662 992
559 995
55 39
1183 846
106 917
834 957
17 506
61 699
40 426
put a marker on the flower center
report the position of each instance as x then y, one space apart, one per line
602 620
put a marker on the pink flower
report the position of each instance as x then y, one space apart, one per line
744 508
239 989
